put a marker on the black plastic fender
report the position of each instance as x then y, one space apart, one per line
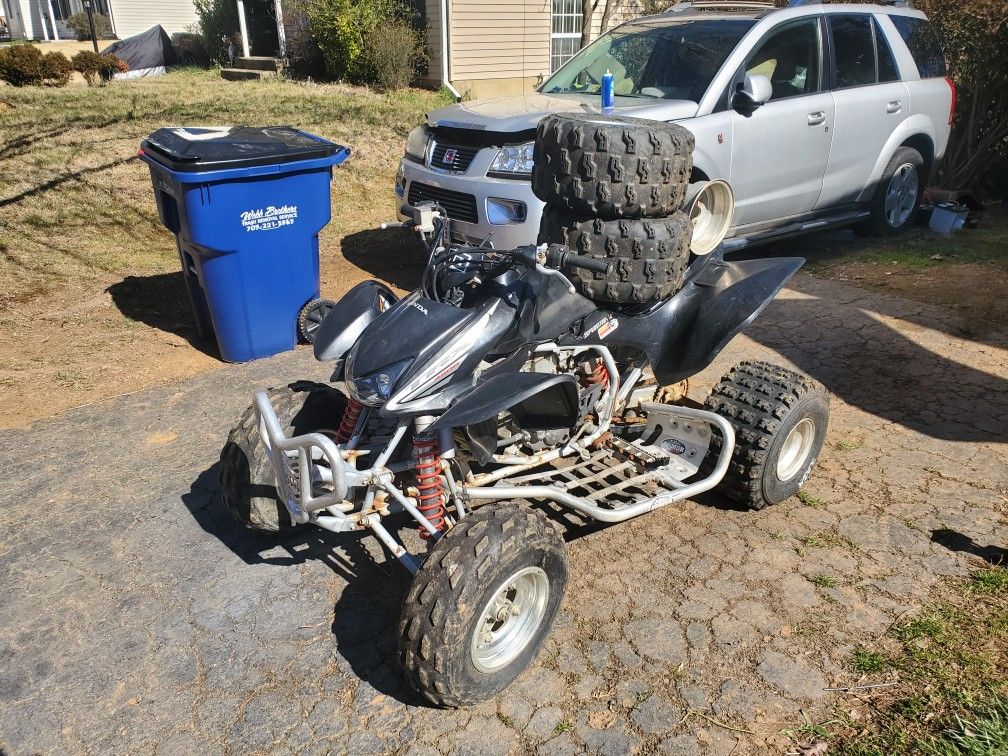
344 324
503 391
712 309
683 335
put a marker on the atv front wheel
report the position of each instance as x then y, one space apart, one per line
246 475
780 420
482 604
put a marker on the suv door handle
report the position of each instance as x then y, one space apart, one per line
814 119
894 106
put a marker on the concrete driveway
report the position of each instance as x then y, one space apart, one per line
135 618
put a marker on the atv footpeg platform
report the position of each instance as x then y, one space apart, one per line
627 475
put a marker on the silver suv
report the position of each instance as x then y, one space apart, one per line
815 116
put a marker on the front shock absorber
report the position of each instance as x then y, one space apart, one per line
599 374
430 496
347 426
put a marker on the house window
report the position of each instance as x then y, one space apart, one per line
565 32
63 9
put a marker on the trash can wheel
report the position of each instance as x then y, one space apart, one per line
311 317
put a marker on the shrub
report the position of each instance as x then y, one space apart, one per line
21 65
190 49
56 69
304 56
218 23
394 51
78 24
96 67
341 28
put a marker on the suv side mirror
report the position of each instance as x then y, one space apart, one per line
755 91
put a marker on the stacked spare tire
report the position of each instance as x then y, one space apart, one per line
614 189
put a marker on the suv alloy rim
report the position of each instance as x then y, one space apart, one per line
901 196
509 621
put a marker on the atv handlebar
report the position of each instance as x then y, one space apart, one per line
586 263
560 257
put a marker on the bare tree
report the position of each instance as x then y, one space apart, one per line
588 8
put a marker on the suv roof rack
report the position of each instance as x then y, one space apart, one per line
749 5
761 5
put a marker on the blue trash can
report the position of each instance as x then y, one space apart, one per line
246 206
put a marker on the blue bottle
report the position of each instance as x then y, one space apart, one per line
607 92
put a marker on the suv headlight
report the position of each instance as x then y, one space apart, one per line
514 161
416 143
375 388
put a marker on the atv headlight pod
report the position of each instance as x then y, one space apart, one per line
416 143
445 363
375 388
515 161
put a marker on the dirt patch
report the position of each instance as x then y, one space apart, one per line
88 342
966 272
972 290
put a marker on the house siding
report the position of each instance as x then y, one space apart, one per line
26 22
491 39
135 16
501 46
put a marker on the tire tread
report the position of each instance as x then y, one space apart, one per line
755 397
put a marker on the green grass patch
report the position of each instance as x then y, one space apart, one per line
950 663
564 725
824 581
809 500
846 445
867 662
990 580
920 249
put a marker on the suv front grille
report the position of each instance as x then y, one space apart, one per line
452 157
459 205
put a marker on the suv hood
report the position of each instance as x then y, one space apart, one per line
523 112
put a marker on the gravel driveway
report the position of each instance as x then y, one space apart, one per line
134 618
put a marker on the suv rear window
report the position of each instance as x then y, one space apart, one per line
853 50
887 70
923 44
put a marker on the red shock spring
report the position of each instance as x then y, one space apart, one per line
598 375
427 465
351 414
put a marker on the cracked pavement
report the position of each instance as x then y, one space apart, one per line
135 618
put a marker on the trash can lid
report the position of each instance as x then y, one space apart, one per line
198 149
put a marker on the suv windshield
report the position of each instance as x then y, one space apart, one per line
674 62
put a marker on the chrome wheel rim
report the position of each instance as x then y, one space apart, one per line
795 451
510 620
901 195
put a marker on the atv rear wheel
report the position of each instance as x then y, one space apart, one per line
597 166
310 318
649 256
246 476
482 604
780 419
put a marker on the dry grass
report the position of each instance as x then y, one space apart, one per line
77 218
76 204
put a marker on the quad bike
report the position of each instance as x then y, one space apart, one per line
493 389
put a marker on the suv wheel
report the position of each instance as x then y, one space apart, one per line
896 200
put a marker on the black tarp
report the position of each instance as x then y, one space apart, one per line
146 54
